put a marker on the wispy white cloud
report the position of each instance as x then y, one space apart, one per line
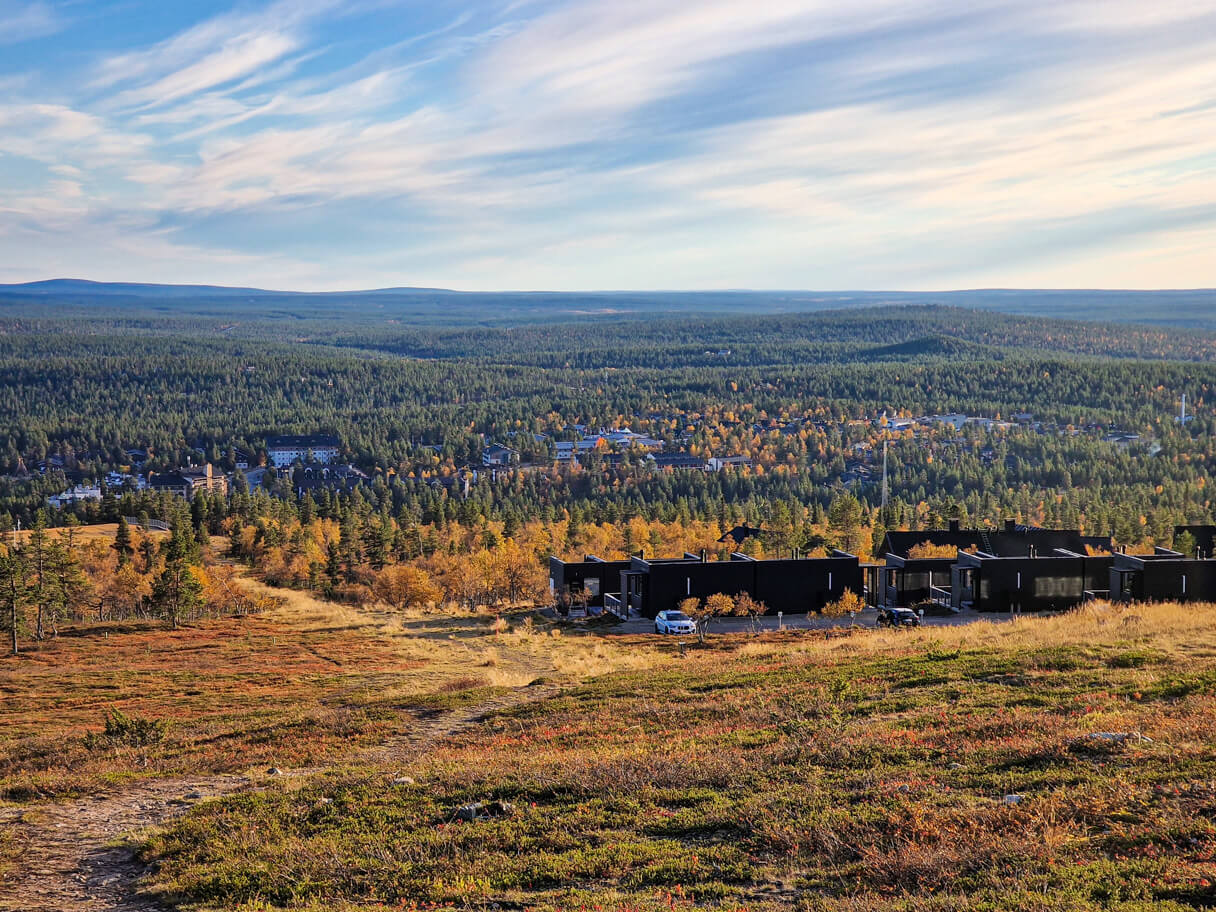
239 56
22 21
648 142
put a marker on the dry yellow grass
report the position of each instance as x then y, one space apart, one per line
1181 630
1044 763
318 674
100 532
504 652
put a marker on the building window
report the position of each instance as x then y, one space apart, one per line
1057 587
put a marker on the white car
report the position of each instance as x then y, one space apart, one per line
674 622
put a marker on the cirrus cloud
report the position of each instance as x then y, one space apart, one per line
795 143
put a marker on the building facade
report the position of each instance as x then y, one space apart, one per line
286 450
1163 576
1034 582
645 586
188 482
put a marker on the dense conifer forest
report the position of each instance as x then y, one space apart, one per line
1076 428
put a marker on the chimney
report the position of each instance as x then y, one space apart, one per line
704 556
1010 525
954 525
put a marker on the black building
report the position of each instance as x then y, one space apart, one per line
586 581
333 478
910 577
909 580
793 586
645 587
739 534
1055 581
1164 576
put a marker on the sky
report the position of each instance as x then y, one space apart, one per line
610 144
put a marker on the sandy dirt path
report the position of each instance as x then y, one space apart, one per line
80 856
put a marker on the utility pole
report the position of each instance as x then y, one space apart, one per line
885 487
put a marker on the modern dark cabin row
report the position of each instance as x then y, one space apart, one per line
644 586
1014 569
1017 568
1024 568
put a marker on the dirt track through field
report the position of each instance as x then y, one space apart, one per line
78 856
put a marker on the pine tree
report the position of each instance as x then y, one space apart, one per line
510 525
333 566
14 589
147 550
109 506
69 585
177 591
122 542
844 521
38 556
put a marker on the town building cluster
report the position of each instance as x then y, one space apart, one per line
310 461
567 444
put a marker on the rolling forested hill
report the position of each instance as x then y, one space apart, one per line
416 382
440 307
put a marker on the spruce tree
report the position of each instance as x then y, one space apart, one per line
122 542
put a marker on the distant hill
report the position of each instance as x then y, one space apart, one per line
83 287
1194 309
936 346
79 287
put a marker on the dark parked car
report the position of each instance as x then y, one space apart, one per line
898 617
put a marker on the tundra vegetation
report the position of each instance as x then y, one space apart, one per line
1042 763
256 676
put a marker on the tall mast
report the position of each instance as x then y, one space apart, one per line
885 489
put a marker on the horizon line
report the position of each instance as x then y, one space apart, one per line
400 289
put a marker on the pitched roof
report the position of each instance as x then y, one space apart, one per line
302 441
740 534
679 461
168 480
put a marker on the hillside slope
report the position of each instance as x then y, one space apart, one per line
1040 764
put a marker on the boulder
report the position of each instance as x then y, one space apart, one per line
1116 737
485 810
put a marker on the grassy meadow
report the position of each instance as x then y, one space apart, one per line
1040 764
305 683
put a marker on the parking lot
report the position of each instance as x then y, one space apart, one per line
867 618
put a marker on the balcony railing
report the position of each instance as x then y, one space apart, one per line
613 605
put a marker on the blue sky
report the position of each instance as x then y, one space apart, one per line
529 144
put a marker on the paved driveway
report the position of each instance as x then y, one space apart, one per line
867 618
